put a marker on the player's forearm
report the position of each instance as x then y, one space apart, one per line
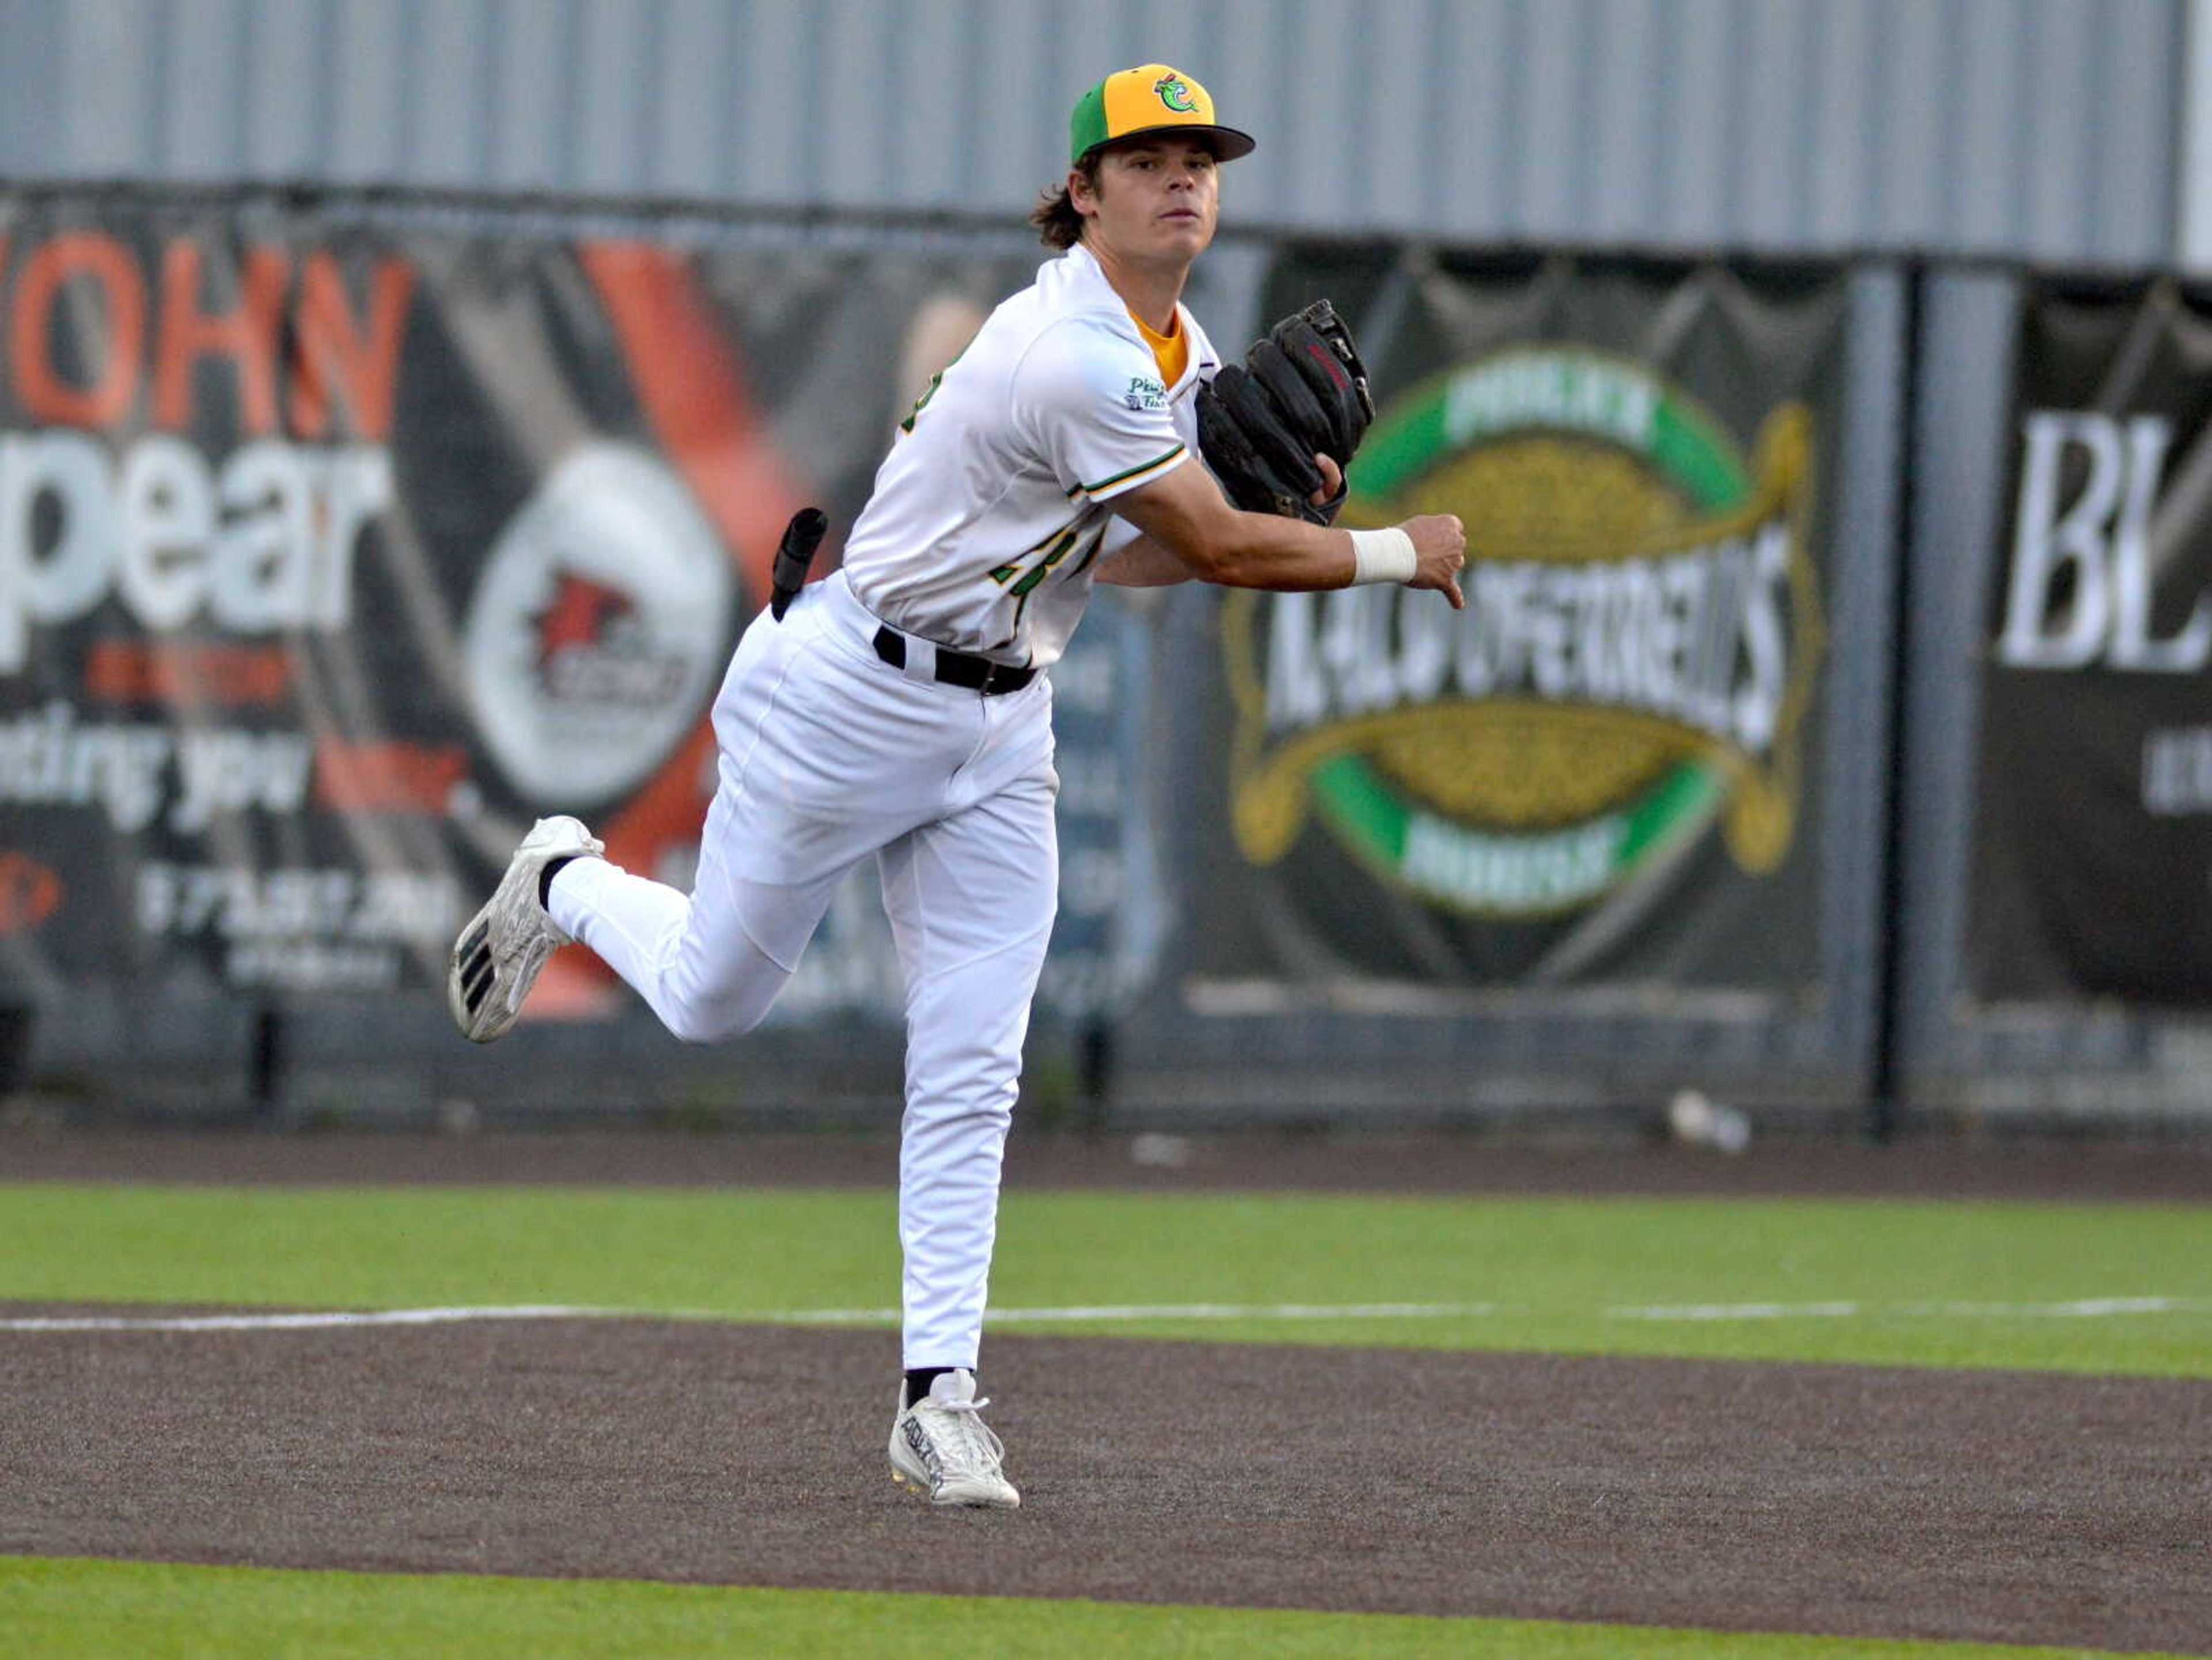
1262 563
1260 550
1145 563
1185 518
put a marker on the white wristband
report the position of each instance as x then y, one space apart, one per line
1382 556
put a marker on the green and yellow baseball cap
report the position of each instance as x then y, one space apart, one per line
1150 98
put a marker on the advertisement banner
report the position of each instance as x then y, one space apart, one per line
333 553
1603 771
2093 844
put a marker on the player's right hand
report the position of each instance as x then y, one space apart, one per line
1439 554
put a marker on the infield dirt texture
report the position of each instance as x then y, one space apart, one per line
2009 1507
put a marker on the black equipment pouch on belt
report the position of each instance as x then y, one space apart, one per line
793 556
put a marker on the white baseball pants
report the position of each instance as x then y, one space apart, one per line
828 754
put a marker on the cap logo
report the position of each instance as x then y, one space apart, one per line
1175 93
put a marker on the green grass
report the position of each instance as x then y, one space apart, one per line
152 1611
1554 1266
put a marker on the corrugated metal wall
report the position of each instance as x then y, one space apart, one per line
2041 127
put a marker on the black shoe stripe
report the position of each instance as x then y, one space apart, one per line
477 979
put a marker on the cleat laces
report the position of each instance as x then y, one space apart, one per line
965 1444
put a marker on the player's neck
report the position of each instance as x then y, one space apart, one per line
1150 289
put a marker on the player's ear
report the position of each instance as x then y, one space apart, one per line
1078 188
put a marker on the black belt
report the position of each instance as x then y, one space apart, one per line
955 668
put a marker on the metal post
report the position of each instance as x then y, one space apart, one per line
265 1064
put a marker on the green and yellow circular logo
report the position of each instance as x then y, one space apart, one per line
1634 663
1175 93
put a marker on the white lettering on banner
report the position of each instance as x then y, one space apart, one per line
49 757
264 542
1699 636
225 771
2177 771
1519 873
1090 881
1590 394
1298 695
69 470
311 965
343 907
168 523
2096 552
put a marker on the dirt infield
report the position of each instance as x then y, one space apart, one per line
2009 1506
2014 1507
1438 1163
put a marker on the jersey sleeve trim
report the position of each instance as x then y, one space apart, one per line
1130 477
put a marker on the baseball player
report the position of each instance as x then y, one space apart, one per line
899 708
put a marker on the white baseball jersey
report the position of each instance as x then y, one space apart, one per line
994 503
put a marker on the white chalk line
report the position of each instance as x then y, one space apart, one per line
321 1320
2090 1308
1118 1312
2086 1308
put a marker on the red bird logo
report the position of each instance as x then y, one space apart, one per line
579 614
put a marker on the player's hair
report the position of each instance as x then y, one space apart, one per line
1058 224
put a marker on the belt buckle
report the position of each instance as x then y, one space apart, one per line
990 676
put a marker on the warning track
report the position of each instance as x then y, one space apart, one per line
1430 1163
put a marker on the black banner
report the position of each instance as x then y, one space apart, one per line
2093 851
331 555
1602 770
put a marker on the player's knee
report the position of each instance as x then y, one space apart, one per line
690 1024
693 1021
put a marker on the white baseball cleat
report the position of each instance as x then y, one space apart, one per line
497 957
940 1449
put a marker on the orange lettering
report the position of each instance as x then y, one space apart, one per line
246 335
387 777
48 398
187 674
110 674
337 351
29 892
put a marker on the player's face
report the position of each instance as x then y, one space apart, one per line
1155 198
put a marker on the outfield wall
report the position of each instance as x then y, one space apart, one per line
2049 130
1818 737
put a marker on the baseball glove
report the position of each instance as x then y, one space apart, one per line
1301 392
